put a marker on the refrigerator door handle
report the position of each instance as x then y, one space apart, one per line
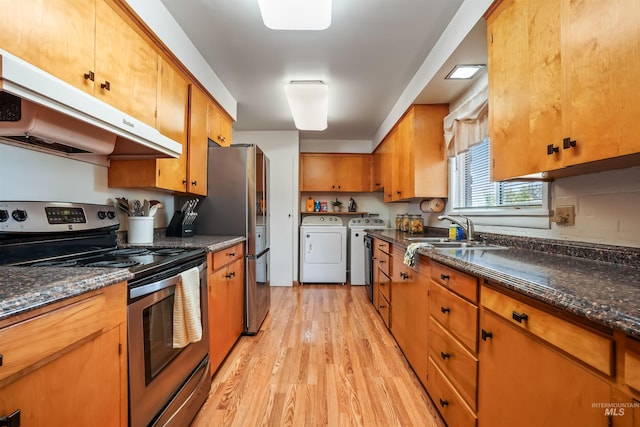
258 255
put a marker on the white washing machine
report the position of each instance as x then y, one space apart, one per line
356 246
323 250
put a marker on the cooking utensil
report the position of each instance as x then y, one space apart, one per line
152 210
145 207
137 208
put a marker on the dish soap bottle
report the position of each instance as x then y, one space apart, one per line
310 204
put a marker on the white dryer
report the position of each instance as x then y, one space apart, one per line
356 246
323 250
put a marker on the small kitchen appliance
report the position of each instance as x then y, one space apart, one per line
164 383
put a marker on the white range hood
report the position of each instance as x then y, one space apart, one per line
54 116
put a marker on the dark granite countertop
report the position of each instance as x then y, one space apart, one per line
603 292
27 288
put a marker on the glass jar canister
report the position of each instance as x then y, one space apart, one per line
399 221
405 223
416 224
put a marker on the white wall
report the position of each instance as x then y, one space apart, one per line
282 148
35 176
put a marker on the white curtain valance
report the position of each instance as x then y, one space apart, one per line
468 124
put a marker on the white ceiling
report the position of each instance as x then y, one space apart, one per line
367 57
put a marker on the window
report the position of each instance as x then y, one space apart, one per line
475 195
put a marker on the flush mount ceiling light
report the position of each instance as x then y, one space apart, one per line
464 72
309 104
296 14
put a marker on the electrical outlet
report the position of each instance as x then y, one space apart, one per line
565 215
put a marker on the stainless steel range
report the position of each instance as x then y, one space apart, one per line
167 385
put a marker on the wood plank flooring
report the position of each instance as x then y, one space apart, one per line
323 357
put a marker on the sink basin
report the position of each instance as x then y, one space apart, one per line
465 245
428 239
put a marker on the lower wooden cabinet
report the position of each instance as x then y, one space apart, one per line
226 302
67 364
527 383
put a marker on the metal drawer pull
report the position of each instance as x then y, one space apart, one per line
231 254
230 275
443 403
383 306
519 317
444 277
444 355
486 334
445 310
12 420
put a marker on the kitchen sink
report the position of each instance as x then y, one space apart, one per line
450 244
428 239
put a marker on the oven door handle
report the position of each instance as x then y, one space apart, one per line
157 286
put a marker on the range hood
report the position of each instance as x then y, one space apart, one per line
42 112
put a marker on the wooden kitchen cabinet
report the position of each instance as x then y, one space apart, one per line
335 172
78 376
410 325
452 366
559 91
226 302
524 382
219 125
381 280
417 159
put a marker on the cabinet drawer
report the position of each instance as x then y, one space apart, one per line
450 404
384 308
383 262
590 347
34 342
632 363
457 315
227 256
384 286
381 245
455 361
460 283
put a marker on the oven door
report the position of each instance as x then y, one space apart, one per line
157 371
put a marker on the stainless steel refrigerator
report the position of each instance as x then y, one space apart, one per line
236 199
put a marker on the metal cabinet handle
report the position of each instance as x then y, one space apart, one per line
194 182
106 85
11 420
90 76
444 355
443 403
444 277
552 149
231 254
519 317
230 275
568 143
383 306
445 310
486 334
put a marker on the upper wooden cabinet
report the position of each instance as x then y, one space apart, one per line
335 172
219 126
560 93
413 155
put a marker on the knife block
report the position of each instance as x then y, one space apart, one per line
177 228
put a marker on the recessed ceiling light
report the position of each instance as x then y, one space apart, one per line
462 72
296 14
309 104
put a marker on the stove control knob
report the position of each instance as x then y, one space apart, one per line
4 215
19 215
111 214
102 214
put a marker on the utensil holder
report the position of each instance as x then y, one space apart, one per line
140 230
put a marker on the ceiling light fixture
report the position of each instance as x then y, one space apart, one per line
464 72
296 14
309 103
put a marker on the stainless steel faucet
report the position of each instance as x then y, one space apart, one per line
467 227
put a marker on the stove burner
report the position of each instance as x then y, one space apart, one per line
128 252
169 251
68 263
114 264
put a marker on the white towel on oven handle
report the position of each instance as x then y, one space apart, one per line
187 323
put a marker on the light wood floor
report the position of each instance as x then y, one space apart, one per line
323 357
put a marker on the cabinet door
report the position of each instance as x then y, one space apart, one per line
236 300
82 386
523 382
127 64
218 317
56 36
601 45
317 172
404 166
353 172
173 99
391 166
198 143
410 316
430 166
525 88
219 126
